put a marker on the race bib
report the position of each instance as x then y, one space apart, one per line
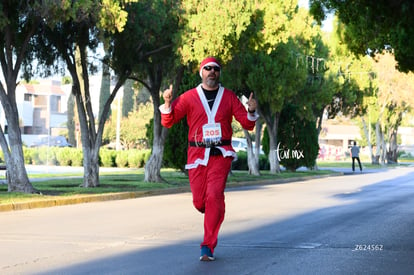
211 133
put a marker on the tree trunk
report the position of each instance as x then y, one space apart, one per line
381 146
71 124
252 157
366 132
17 178
90 136
383 150
154 163
319 129
91 168
90 163
87 126
15 45
378 134
258 137
105 90
273 146
392 154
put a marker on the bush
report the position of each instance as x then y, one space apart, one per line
74 157
298 137
33 157
175 149
64 156
27 153
138 158
241 162
121 159
107 157
77 157
45 155
264 163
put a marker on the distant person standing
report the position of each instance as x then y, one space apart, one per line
355 156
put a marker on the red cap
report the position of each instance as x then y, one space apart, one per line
209 61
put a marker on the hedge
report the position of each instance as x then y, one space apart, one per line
241 162
68 156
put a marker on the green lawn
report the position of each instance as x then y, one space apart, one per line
64 185
366 164
131 181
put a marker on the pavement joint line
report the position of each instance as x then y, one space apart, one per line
271 245
78 199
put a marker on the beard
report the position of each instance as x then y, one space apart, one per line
212 81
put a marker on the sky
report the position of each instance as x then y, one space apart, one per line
327 24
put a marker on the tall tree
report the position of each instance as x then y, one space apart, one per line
78 33
72 131
393 100
298 138
204 36
236 71
128 98
355 82
177 139
105 90
346 81
19 22
145 49
274 72
374 25
277 80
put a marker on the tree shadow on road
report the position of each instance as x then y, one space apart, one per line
330 240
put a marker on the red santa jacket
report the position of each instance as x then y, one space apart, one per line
193 104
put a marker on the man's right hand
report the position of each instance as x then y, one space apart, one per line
167 95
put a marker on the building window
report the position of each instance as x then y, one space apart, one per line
28 97
27 130
55 104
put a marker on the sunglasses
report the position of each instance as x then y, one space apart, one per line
209 68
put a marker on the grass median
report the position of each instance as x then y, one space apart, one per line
55 186
67 185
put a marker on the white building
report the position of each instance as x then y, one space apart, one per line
42 110
42 107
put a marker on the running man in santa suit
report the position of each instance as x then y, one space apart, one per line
210 109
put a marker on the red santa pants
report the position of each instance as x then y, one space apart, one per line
207 186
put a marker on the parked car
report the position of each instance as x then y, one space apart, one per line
240 144
57 141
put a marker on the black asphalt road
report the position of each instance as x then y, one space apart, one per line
351 224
